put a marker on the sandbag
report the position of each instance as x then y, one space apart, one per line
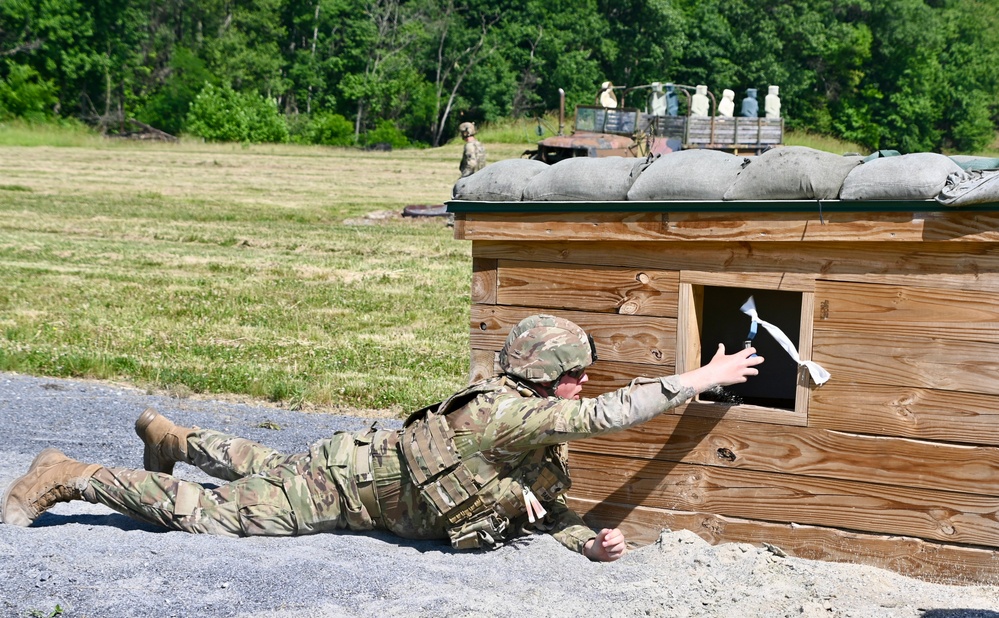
916 176
584 179
688 175
503 181
792 173
967 188
969 163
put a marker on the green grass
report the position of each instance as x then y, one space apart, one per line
62 133
822 142
249 271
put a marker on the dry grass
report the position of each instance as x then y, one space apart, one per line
228 269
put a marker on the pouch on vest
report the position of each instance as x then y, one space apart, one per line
486 532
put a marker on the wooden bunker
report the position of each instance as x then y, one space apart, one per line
893 462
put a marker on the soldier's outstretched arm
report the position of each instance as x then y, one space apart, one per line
646 398
531 422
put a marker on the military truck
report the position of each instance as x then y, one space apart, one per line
602 131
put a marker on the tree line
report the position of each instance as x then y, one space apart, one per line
914 75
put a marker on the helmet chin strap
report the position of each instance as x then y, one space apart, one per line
541 389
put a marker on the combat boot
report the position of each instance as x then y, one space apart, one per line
166 443
51 479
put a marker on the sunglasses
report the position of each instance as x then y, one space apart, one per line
576 374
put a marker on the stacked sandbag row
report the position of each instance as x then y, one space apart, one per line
787 173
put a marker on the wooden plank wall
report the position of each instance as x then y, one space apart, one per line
902 441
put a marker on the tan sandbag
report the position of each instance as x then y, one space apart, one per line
688 175
584 179
792 173
979 186
503 181
916 176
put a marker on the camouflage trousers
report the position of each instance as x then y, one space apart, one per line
269 493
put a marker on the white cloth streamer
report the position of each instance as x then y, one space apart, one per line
819 375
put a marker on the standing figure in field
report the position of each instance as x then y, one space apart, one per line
726 107
750 106
657 100
606 97
771 105
473 157
672 101
484 466
699 104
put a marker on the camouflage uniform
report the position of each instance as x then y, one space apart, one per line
274 494
473 158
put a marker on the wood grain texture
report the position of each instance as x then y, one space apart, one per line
805 451
950 266
959 315
911 412
483 364
596 226
786 227
625 338
789 282
609 289
912 557
895 360
484 281
944 516
743 412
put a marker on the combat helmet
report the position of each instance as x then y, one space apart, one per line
466 129
543 347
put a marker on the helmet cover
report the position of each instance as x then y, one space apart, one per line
543 347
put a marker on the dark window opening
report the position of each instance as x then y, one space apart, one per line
723 322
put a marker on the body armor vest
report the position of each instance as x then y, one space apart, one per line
478 498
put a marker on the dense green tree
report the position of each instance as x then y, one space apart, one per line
909 74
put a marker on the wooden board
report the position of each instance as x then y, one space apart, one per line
789 282
805 451
887 310
926 414
630 338
970 266
779 227
895 360
912 557
483 281
610 289
944 516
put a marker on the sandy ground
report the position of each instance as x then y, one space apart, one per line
86 561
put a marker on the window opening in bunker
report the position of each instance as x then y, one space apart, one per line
723 322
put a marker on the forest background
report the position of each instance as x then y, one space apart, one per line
913 75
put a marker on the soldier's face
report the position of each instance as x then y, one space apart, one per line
569 387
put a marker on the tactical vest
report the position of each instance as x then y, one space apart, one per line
478 507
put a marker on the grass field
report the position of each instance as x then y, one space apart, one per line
228 269
282 273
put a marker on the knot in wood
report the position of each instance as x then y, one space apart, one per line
629 307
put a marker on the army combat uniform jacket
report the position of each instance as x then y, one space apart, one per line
477 469
473 158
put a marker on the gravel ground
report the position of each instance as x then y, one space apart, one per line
87 561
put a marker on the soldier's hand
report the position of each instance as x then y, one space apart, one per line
724 369
608 546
